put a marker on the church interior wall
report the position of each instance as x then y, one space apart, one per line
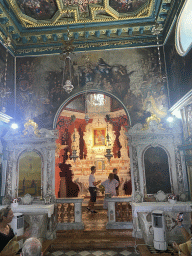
179 70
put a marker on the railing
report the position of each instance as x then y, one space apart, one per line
69 213
119 213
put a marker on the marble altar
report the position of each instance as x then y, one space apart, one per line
142 222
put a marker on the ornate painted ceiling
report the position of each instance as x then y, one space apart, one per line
37 27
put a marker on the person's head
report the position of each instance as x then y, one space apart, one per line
115 170
6 215
32 247
111 176
93 169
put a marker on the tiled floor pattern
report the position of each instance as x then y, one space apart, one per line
154 251
95 253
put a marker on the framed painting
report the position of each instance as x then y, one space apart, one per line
99 137
100 165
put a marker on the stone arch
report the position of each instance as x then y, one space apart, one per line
89 91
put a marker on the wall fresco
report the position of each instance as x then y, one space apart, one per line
38 9
83 6
6 82
124 6
132 75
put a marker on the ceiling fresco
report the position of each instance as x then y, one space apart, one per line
38 27
38 9
124 6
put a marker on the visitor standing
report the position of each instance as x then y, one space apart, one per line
116 177
110 188
92 190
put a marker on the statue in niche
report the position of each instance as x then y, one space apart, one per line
157 170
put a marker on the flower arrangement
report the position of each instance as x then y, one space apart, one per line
101 189
173 197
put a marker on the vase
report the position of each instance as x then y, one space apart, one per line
172 201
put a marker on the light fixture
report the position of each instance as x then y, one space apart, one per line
156 30
4 91
108 155
74 151
14 126
108 144
68 48
74 155
170 119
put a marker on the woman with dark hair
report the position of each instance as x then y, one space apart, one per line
110 188
6 232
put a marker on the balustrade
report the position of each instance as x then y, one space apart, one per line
119 213
69 213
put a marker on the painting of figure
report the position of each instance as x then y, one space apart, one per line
99 137
124 6
38 9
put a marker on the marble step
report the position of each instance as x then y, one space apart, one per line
91 240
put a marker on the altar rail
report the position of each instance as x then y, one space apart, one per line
69 213
119 213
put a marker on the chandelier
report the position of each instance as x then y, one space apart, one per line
156 30
108 144
4 90
74 151
65 56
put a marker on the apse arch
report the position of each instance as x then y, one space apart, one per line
89 92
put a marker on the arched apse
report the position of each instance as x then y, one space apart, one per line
89 91
183 35
75 132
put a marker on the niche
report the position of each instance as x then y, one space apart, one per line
157 170
29 174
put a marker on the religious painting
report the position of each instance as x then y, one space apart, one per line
133 79
38 9
124 6
157 171
99 137
29 174
83 6
100 165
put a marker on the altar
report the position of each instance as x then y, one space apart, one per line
39 217
142 221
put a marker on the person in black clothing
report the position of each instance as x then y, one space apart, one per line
6 232
117 178
73 188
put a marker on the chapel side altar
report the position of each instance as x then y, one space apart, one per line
142 221
39 217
